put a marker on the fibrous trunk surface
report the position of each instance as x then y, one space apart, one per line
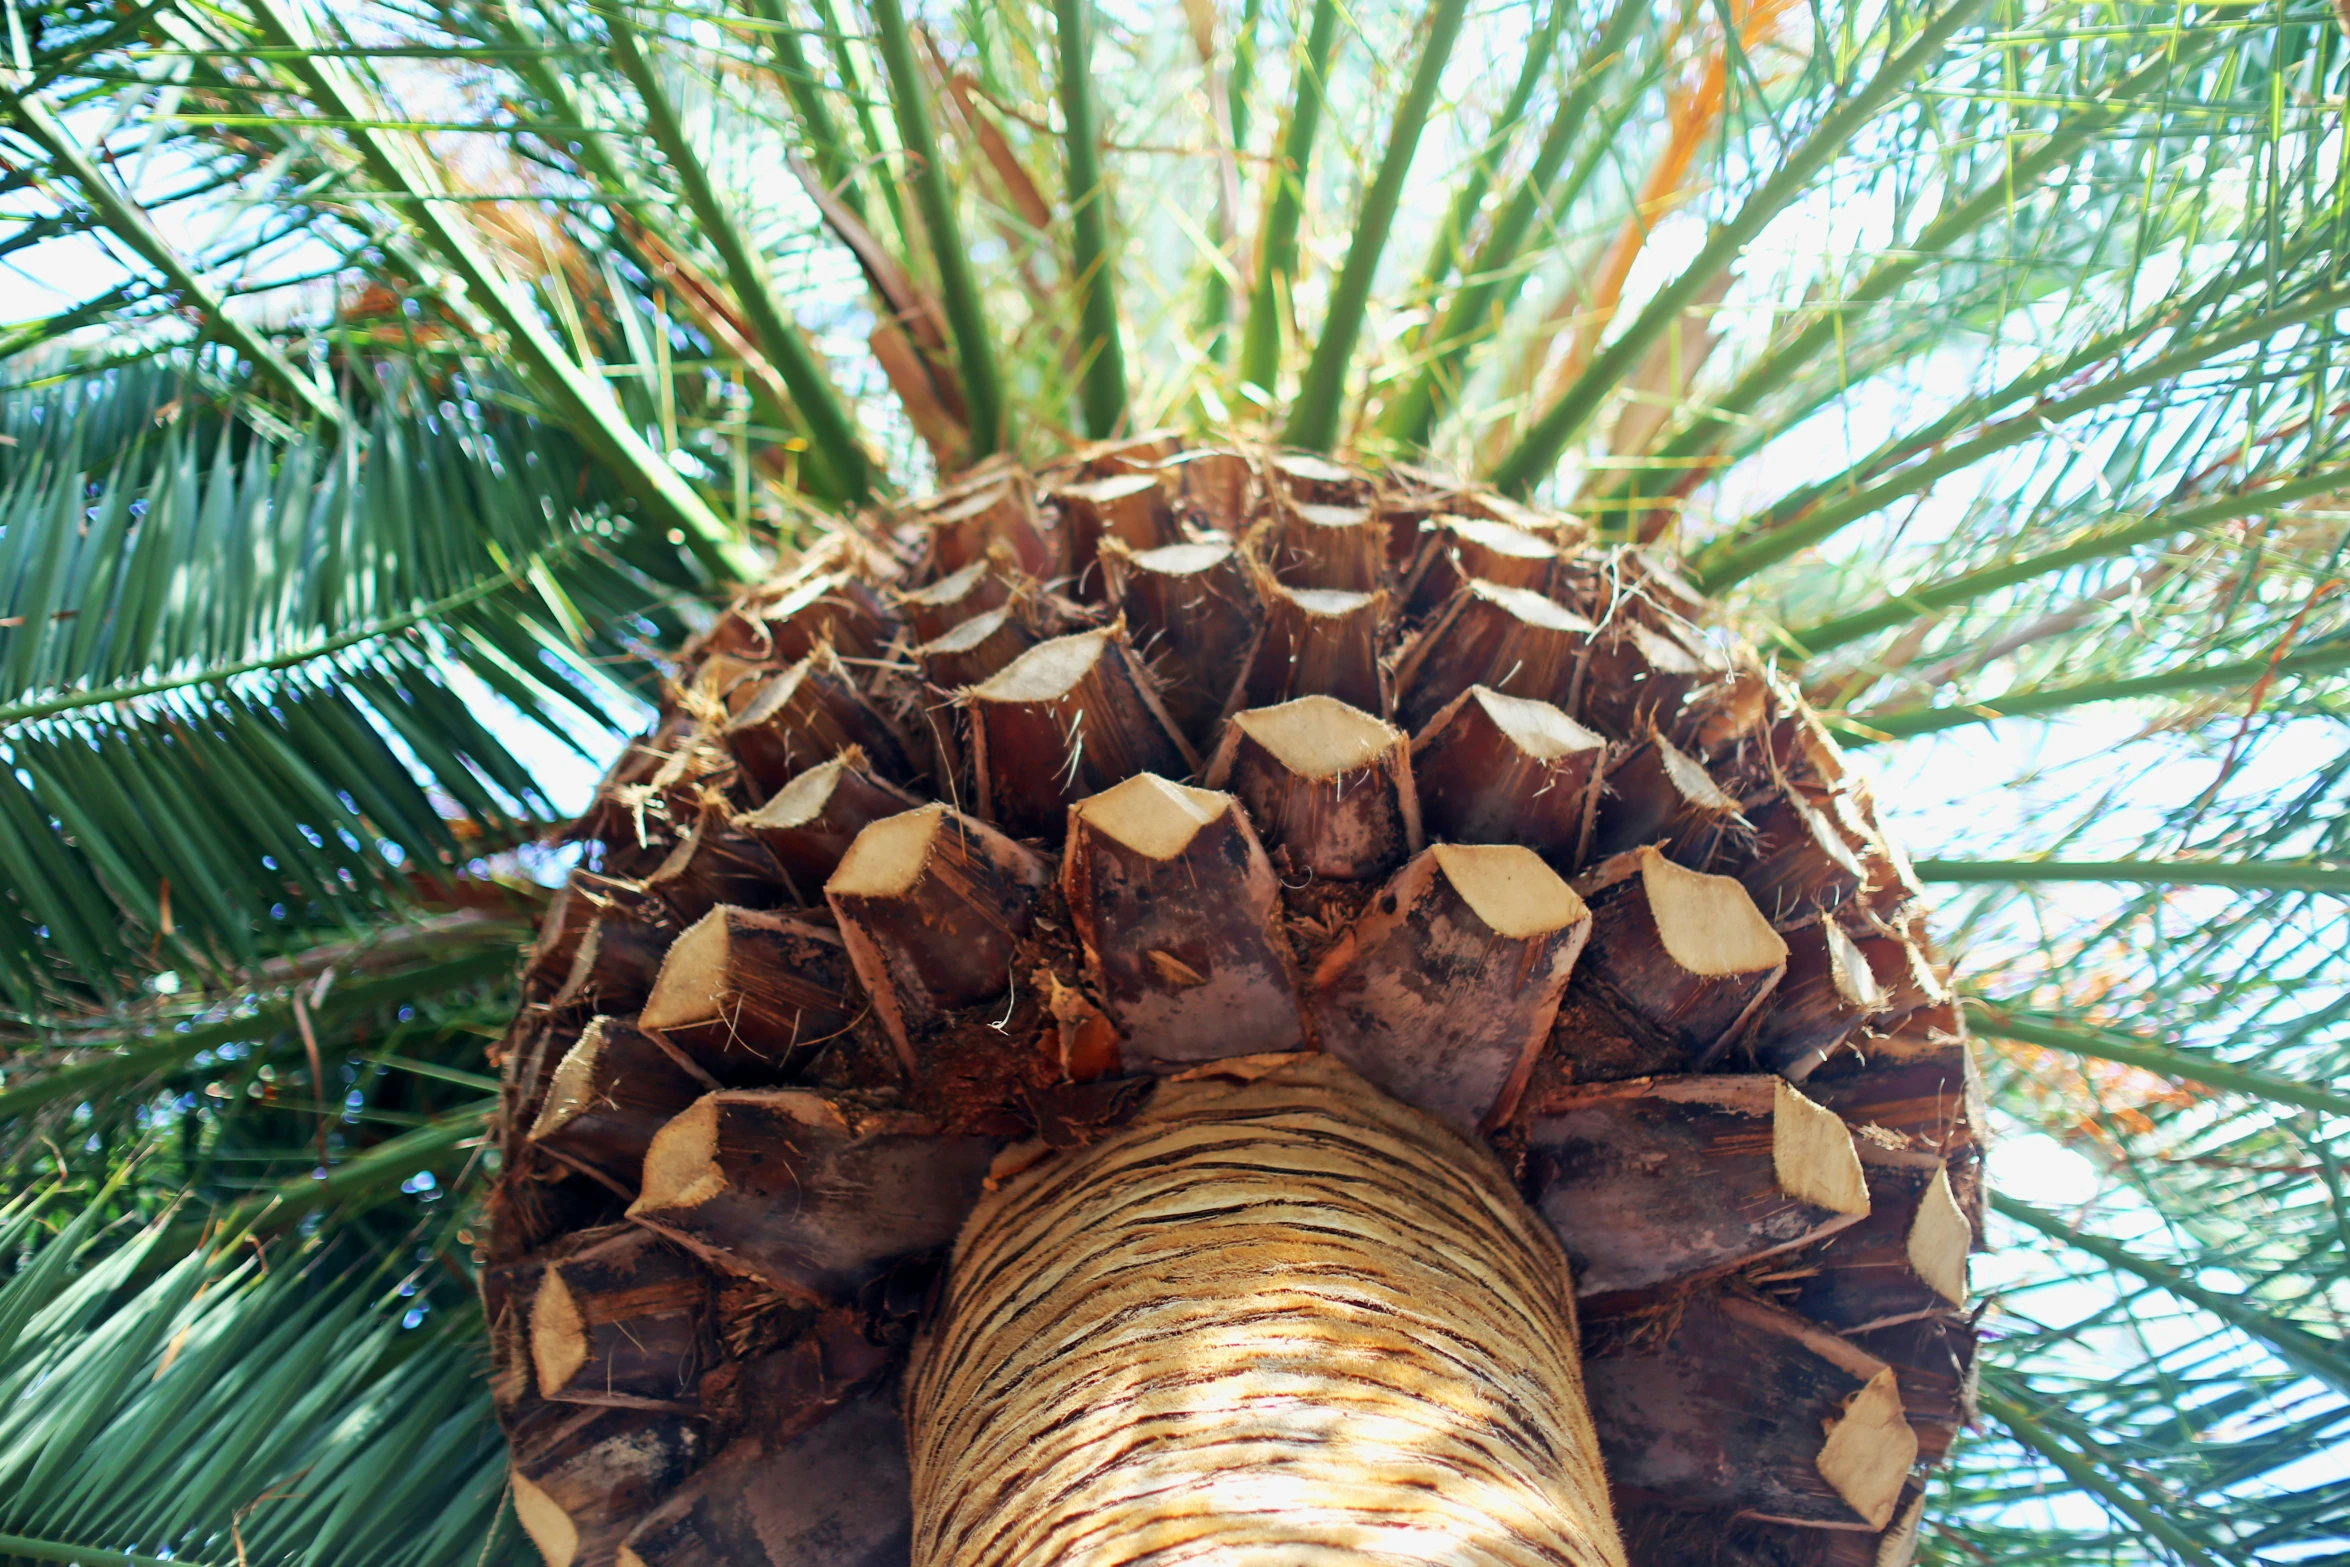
1276 1317
1313 936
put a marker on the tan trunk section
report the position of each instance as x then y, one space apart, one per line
1278 1317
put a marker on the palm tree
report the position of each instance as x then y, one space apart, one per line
1012 468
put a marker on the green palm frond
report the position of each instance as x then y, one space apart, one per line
237 1312
210 1407
342 1083
2168 1045
247 672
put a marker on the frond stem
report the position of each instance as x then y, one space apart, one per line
2249 876
1260 342
2324 658
1103 392
1808 518
2321 1357
2085 1474
1537 452
493 961
128 222
2163 1060
1321 397
588 406
1445 253
834 445
1474 312
94 1556
781 40
1996 194
983 392
1826 635
1216 291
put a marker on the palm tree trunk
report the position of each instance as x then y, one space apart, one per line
1277 1317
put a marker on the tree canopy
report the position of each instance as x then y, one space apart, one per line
393 382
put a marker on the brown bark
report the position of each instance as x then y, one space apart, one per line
613 1089
507 1289
1653 793
1132 508
1916 1098
622 1317
1214 488
1178 911
1678 965
539 1201
1892 882
834 1496
808 824
1627 582
569 914
931 612
535 1041
1802 866
1933 1359
1659 1181
613 819
661 809
1193 613
1326 784
746 998
1635 677
975 650
1512 640
1491 768
794 1367
811 711
1919 1083
1901 969
617 961
1827 994
1658 1536
1141 452
1302 476
1907 1259
1453 550
1337 548
839 611
932 906
810 1194
1444 990
716 862
583 1474
1492 506
726 682
1314 641
1405 508
969 526
1741 1405
1067 719
1796 745
1729 714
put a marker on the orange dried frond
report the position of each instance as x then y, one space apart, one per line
1692 113
2081 1091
